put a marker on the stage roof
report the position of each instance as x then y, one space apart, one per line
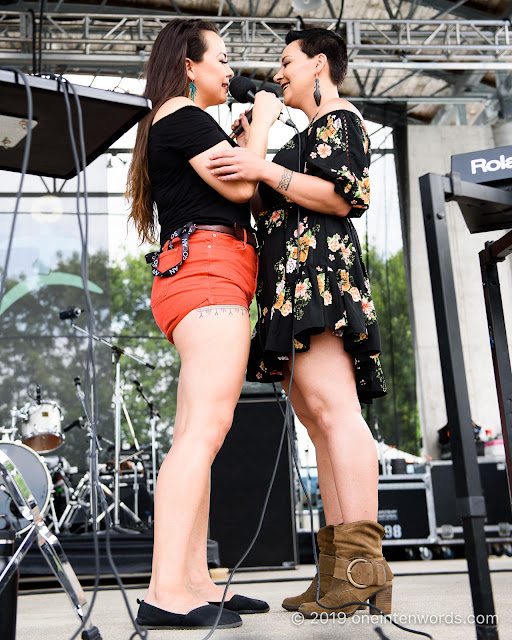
433 61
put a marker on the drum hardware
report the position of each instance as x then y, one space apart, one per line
86 495
28 508
80 502
119 405
60 470
7 433
154 417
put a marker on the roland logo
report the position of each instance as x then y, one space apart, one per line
484 166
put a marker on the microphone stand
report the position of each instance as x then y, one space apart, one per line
154 418
117 352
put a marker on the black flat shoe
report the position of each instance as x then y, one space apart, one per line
151 617
241 604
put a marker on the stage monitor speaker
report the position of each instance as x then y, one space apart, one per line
493 476
107 115
240 478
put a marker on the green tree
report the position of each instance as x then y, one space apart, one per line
37 347
397 413
134 329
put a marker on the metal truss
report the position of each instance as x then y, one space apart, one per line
120 43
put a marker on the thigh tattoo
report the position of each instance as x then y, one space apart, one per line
217 310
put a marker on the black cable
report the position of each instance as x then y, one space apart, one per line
287 424
337 27
286 429
34 41
24 166
256 534
41 20
90 361
95 483
31 382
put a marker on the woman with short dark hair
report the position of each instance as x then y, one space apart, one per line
205 276
314 294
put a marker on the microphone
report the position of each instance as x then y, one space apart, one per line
38 394
76 423
244 90
133 379
70 313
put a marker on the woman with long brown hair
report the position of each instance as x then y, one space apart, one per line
315 298
205 277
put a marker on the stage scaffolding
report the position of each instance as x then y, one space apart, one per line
121 42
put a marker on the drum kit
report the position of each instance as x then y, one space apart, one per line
25 497
35 433
37 496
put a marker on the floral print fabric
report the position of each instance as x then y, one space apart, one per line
311 267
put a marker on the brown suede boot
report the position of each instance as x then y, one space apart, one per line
326 562
361 573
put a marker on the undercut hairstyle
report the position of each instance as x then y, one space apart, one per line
333 46
166 77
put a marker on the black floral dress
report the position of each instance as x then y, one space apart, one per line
331 288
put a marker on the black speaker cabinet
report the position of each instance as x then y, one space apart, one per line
493 476
240 478
406 509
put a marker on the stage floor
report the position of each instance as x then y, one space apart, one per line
433 597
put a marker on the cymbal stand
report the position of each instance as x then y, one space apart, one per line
48 544
154 418
117 352
125 459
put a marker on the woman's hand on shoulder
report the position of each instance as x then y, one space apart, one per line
236 164
172 105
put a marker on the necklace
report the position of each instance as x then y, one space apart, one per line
313 119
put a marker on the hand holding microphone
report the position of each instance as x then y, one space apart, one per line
244 90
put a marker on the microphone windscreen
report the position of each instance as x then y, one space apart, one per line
240 86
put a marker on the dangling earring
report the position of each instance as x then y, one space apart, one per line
193 91
317 94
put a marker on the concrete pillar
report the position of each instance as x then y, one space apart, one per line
430 150
502 132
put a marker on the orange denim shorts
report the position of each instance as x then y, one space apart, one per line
219 270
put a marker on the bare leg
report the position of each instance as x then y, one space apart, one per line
199 580
328 491
198 577
214 351
325 378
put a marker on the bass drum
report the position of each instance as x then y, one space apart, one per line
34 471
